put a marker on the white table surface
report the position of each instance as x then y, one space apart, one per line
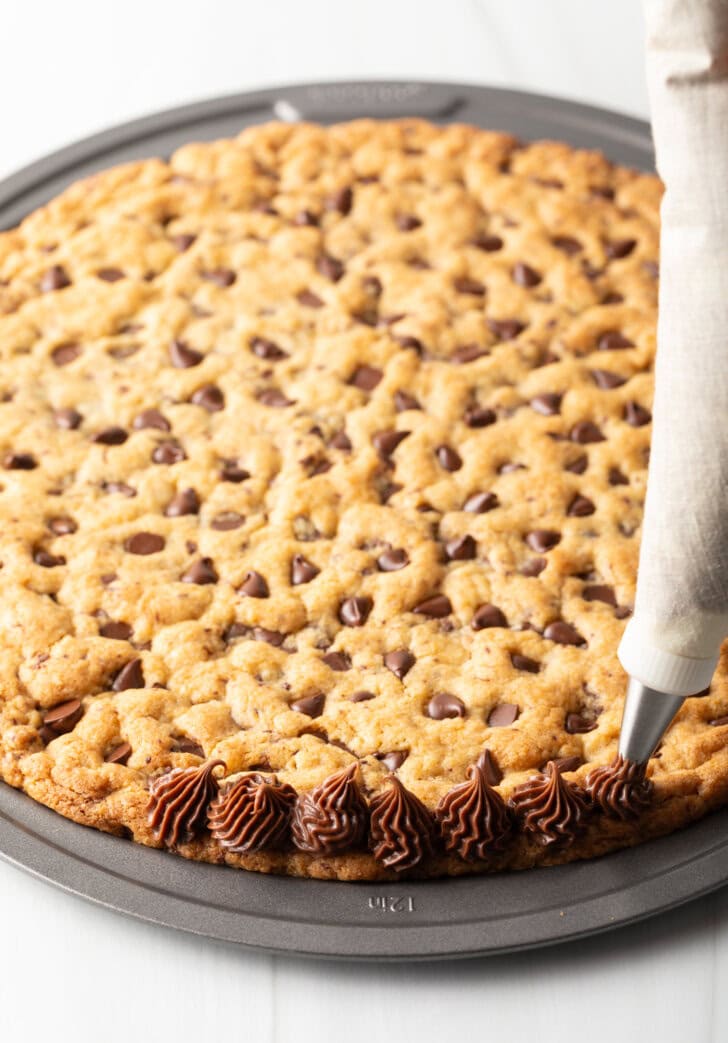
76 972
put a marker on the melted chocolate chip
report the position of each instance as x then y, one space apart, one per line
486 616
600 592
464 284
144 543
267 349
526 276
309 299
580 507
636 415
393 560
506 329
435 607
448 458
462 548
64 354
341 200
361 697
616 249
151 418
385 442
585 432
468 353
399 662
330 267
524 662
110 436
254 586
19 462
578 724
479 416
274 399
338 661
183 241
354 612
310 705
578 465
110 274
231 471
183 356
131 675
119 754
220 276
404 401
503 715
407 222
340 441
542 540
68 419
616 477
302 570
117 631
481 503
169 452
563 634
61 719
567 244
413 343
534 567
607 380
210 397
366 378
613 340
444 705
62 526
185 502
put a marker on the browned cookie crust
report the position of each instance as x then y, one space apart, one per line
322 454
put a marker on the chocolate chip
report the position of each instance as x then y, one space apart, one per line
340 441
330 267
636 415
444 705
19 462
616 477
448 458
47 560
305 219
231 471
65 353
131 675
411 343
200 572
55 278
578 465
151 418
563 634
220 276
341 200
366 378
616 249
254 586
567 244
110 274
168 453
613 340
68 419
110 436
481 503
302 570
585 431
506 329
183 241
393 560
186 744
576 724
502 715
468 353
407 222
183 356
606 380
479 416
385 442
404 401
354 612
393 760
62 525
487 616
119 487
309 299
62 718
399 662
612 298
116 630
361 697
210 397
524 662
310 705
270 637
338 661
718 722
185 502
464 284
274 399
462 548
488 243
600 592
580 507
525 275
144 543
119 754
435 607
547 404
542 540
534 567
227 520
267 349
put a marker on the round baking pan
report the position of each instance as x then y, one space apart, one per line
427 920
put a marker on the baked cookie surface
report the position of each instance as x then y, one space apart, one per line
322 456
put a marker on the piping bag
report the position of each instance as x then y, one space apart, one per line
671 645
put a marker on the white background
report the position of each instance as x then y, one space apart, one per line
71 971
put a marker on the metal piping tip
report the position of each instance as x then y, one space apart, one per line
647 714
